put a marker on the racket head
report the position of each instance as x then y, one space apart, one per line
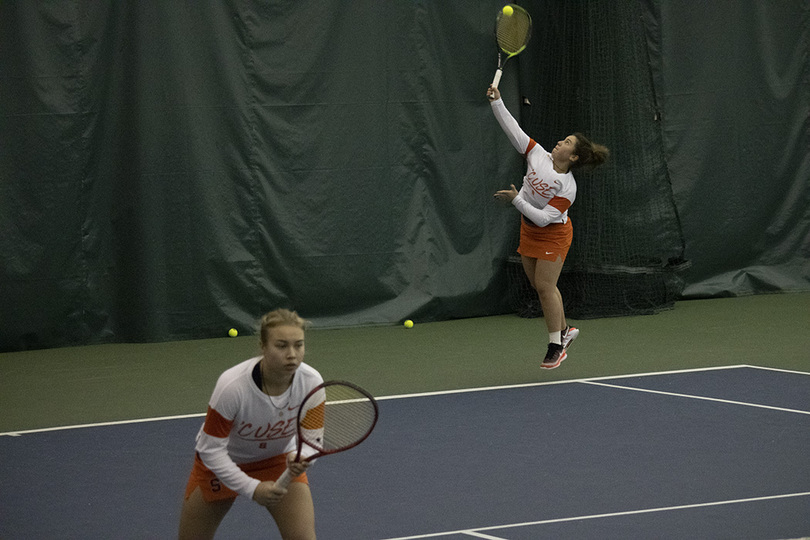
513 32
335 416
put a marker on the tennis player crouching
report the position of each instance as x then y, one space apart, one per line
546 231
248 438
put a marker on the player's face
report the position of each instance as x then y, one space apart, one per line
565 149
283 350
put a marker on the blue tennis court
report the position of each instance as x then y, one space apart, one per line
710 453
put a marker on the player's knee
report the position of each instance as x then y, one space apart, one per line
546 291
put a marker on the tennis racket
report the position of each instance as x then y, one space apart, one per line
335 416
513 28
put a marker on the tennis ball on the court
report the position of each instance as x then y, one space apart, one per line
408 323
507 10
232 332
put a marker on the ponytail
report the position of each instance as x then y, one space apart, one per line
590 154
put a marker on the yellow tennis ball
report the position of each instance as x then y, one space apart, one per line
507 10
408 323
232 332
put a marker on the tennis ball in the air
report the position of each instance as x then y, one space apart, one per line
507 10
408 323
232 332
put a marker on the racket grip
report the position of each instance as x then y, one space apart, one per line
285 479
497 78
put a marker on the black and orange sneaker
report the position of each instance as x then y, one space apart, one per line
554 357
568 335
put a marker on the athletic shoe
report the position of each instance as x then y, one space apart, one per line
554 357
568 335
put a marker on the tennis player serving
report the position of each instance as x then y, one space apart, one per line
248 438
546 231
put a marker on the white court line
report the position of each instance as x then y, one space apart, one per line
690 396
482 535
102 424
551 383
600 516
403 396
381 398
791 371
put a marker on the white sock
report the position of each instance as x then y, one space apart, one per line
555 337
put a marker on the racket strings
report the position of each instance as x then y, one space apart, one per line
347 423
344 419
513 32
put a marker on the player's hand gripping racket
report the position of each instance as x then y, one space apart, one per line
513 28
335 416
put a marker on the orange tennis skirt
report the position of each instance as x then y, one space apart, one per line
214 490
547 243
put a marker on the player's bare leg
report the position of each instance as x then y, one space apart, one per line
199 519
295 513
563 323
543 276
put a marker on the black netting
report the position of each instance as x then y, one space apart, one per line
587 70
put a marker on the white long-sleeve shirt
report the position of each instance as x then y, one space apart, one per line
245 425
546 194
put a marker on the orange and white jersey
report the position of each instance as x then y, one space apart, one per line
245 425
546 194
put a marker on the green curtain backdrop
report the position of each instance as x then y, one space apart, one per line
171 169
732 79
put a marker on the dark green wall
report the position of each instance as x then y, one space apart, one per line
171 169
733 85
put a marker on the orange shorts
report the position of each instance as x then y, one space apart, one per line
214 490
547 243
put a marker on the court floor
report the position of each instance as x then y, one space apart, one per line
703 453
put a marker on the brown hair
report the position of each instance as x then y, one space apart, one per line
590 154
280 317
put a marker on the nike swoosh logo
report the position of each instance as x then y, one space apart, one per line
549 252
